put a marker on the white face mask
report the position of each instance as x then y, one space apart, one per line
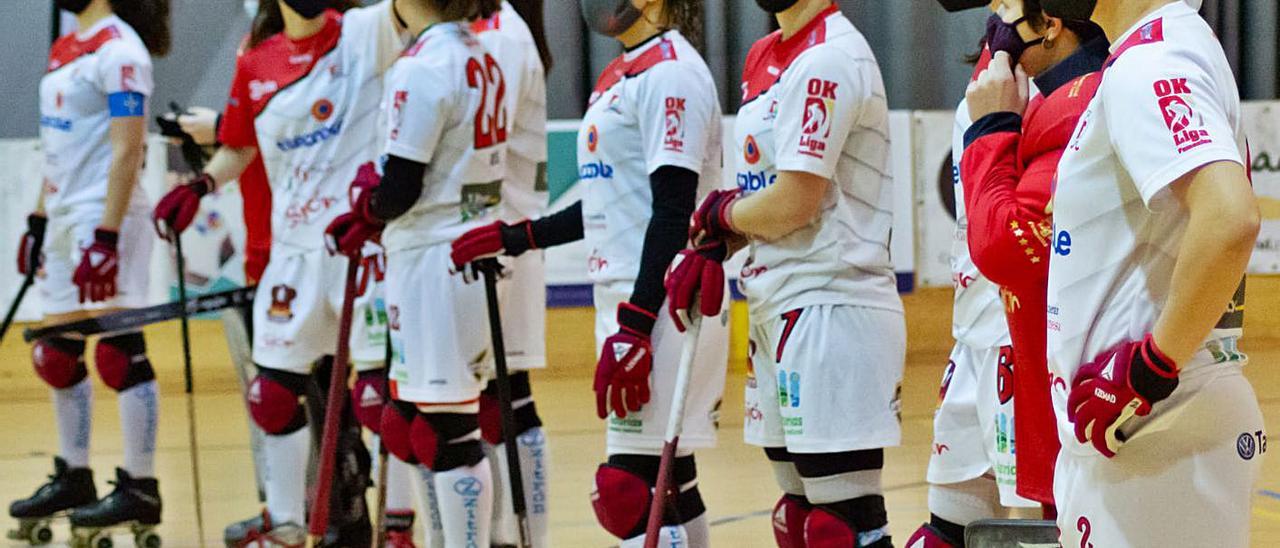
251 8
1195 4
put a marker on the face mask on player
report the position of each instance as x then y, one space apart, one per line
307 8
1074 10
609 17
961 5
73 6
776 6
1002 36
251 7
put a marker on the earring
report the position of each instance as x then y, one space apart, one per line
1048 43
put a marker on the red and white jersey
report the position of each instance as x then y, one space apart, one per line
94 75
506 36
815 103
1168 104
310 106
654 106
446 107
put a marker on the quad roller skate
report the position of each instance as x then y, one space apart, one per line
67 488
260 532
134 504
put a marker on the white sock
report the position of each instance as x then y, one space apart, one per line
670 536
967 501
286 458
139 419
73 408
400 478
698 531
465 497
431 523
535 467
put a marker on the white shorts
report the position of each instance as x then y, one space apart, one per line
1185 477
298 307
524 311
826 379
973 426
66 238
642 433
441 352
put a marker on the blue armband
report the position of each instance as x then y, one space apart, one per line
127 104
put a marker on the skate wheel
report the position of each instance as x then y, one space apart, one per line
147 539
40 535
101 540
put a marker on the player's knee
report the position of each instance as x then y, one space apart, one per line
623 491
784 471
445 441
858 522
276 401
789 516
122 361
369 397
395 429
524 409
59 361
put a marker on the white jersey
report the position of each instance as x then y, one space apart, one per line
446 110
94 75
816 103
654 106
977 315
311 107
507 37
1167 105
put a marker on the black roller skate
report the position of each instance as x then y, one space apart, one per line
67 488
133 504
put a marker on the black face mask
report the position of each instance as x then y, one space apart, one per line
73 6
1002 36
776 6
307 8
961 5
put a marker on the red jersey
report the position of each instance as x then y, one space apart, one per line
1008 171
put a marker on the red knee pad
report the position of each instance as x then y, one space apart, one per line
929 537
59 362
789 516
490 419
276 408
823 529
426 444
395 431
122 361
368 397
621 500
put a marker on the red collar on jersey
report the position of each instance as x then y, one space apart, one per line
284 62
69 47
661 51
771 54
1149 33
484 25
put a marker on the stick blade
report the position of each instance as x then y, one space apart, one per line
1011 533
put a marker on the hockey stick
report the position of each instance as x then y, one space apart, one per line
186 371
319 521
490 268
675 426
137 318
380 519
27 282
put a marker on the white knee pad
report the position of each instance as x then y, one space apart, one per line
965 502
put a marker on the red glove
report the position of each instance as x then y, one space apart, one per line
178 208
1123 382
694 273
711 220
622 374
491 240
29 248
348 233
96 275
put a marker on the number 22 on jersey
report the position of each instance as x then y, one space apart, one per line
491 117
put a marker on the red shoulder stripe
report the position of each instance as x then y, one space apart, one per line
771 55
484 25
1150 33
664 50
69 47
279 62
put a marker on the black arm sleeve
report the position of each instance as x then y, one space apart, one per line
674 192
400 189
561 227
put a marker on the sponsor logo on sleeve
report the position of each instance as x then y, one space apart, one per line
128 78
258 89
1174 99
816 128
673 140
397 112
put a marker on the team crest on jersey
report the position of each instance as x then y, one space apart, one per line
282 297
1174 99
128 78
593 138
674 138
751 151
816 128
322 110
397 112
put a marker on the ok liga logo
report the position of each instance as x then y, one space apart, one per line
1174 99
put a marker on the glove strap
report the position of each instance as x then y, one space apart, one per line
36 223
517 238
106 237
636 320
1154 376
202 184
724 213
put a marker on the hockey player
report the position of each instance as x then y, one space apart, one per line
649 142
828 339
305 95
1154 223
445 152
88 240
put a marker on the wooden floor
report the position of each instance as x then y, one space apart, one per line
735 478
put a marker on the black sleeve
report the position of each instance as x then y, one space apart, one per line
400 189
561 227
674 192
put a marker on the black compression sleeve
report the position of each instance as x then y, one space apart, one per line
400 189
674 192
561 227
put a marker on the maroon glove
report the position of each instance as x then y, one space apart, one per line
29 248
491 240
622 374
178 208
348 233
694 273
711 220
96 275
1123 382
